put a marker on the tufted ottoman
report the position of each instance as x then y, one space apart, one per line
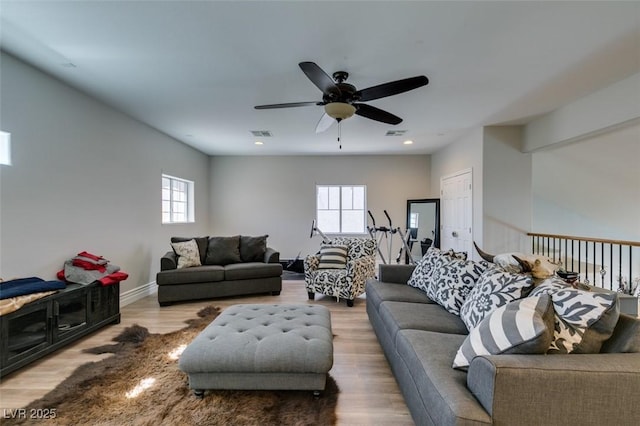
262 347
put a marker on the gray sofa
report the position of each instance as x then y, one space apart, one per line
420 340
230 266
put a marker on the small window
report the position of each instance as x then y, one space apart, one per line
341 209
177 200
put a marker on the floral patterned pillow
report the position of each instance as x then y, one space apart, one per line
424 268
583 319
495 288
452 282
188 253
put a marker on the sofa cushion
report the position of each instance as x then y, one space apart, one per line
251 270
223 250
202 242
443 390
398 316
252 249
452 282
494 288
188 254
333 257
378 292
523 326
583 319
196 274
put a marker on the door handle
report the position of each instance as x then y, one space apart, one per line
454 234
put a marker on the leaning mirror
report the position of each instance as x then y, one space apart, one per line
423 225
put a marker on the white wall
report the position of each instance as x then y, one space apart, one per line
603 109
590 188
466 153
507 199
276 195
85 177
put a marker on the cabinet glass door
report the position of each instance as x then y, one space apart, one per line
27 332
71 313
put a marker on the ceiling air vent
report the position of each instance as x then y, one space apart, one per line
261 133
395 132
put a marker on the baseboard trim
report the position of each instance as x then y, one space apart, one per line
138 293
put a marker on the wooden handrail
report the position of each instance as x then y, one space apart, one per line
597 240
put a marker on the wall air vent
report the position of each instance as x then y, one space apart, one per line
261 133
395 132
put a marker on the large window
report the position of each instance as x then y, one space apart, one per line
177 200
341 209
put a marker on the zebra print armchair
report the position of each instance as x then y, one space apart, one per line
348 282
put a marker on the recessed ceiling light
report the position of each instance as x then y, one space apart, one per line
408 142
258 143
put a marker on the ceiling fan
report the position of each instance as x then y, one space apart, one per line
341 100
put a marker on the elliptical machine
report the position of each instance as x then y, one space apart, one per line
387 234
315 230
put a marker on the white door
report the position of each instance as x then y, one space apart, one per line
456 193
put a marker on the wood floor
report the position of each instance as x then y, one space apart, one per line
369 394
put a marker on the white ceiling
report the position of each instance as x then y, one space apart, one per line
194 70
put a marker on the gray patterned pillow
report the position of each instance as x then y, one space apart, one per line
523 326
188 253
494 289
583 319
452 282
424 268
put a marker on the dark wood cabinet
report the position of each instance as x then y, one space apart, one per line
50 323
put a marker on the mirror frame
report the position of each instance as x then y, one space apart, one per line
436 202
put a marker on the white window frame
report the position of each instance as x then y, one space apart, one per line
177 204
340 209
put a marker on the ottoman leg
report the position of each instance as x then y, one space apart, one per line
350 303
312 295
199 393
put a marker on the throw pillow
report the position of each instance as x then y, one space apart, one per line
424 268
202 245
223 250
252 249
333 257
452 282
583 319
495 288
523 326
188 253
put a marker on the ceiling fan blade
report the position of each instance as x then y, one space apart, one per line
325 122
289 105
391 88
320 78
377 114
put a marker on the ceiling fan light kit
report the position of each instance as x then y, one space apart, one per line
342 100
339 110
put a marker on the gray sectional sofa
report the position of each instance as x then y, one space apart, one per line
226 266
420 340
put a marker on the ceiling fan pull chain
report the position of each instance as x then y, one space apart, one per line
339 133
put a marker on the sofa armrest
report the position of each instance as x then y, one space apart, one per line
168 261
271 256
398 274
589 389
